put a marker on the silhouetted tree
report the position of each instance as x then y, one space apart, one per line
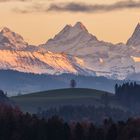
72 83
67 132
112 132
91 132
100 134
79 132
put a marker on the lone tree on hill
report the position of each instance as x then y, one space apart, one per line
72 83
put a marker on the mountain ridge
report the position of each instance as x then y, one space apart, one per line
73 50
134 40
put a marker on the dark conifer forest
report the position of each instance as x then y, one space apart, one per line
128 94
14 125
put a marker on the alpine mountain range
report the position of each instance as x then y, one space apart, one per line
72 51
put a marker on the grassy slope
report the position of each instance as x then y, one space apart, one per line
54 98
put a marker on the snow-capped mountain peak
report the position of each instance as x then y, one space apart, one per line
70 32
11 40
134 40
10 34
5 30
70 39
80 26
138 27
63 32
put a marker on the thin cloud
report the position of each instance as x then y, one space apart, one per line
22 0
78 7
13 0
82 7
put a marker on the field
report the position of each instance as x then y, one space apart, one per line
55 98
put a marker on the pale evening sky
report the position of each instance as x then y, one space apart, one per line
39 20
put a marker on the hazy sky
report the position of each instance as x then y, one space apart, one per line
39 20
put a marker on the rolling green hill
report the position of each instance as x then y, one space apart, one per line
54 98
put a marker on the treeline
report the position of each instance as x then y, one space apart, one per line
14 125
129 95
82 112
